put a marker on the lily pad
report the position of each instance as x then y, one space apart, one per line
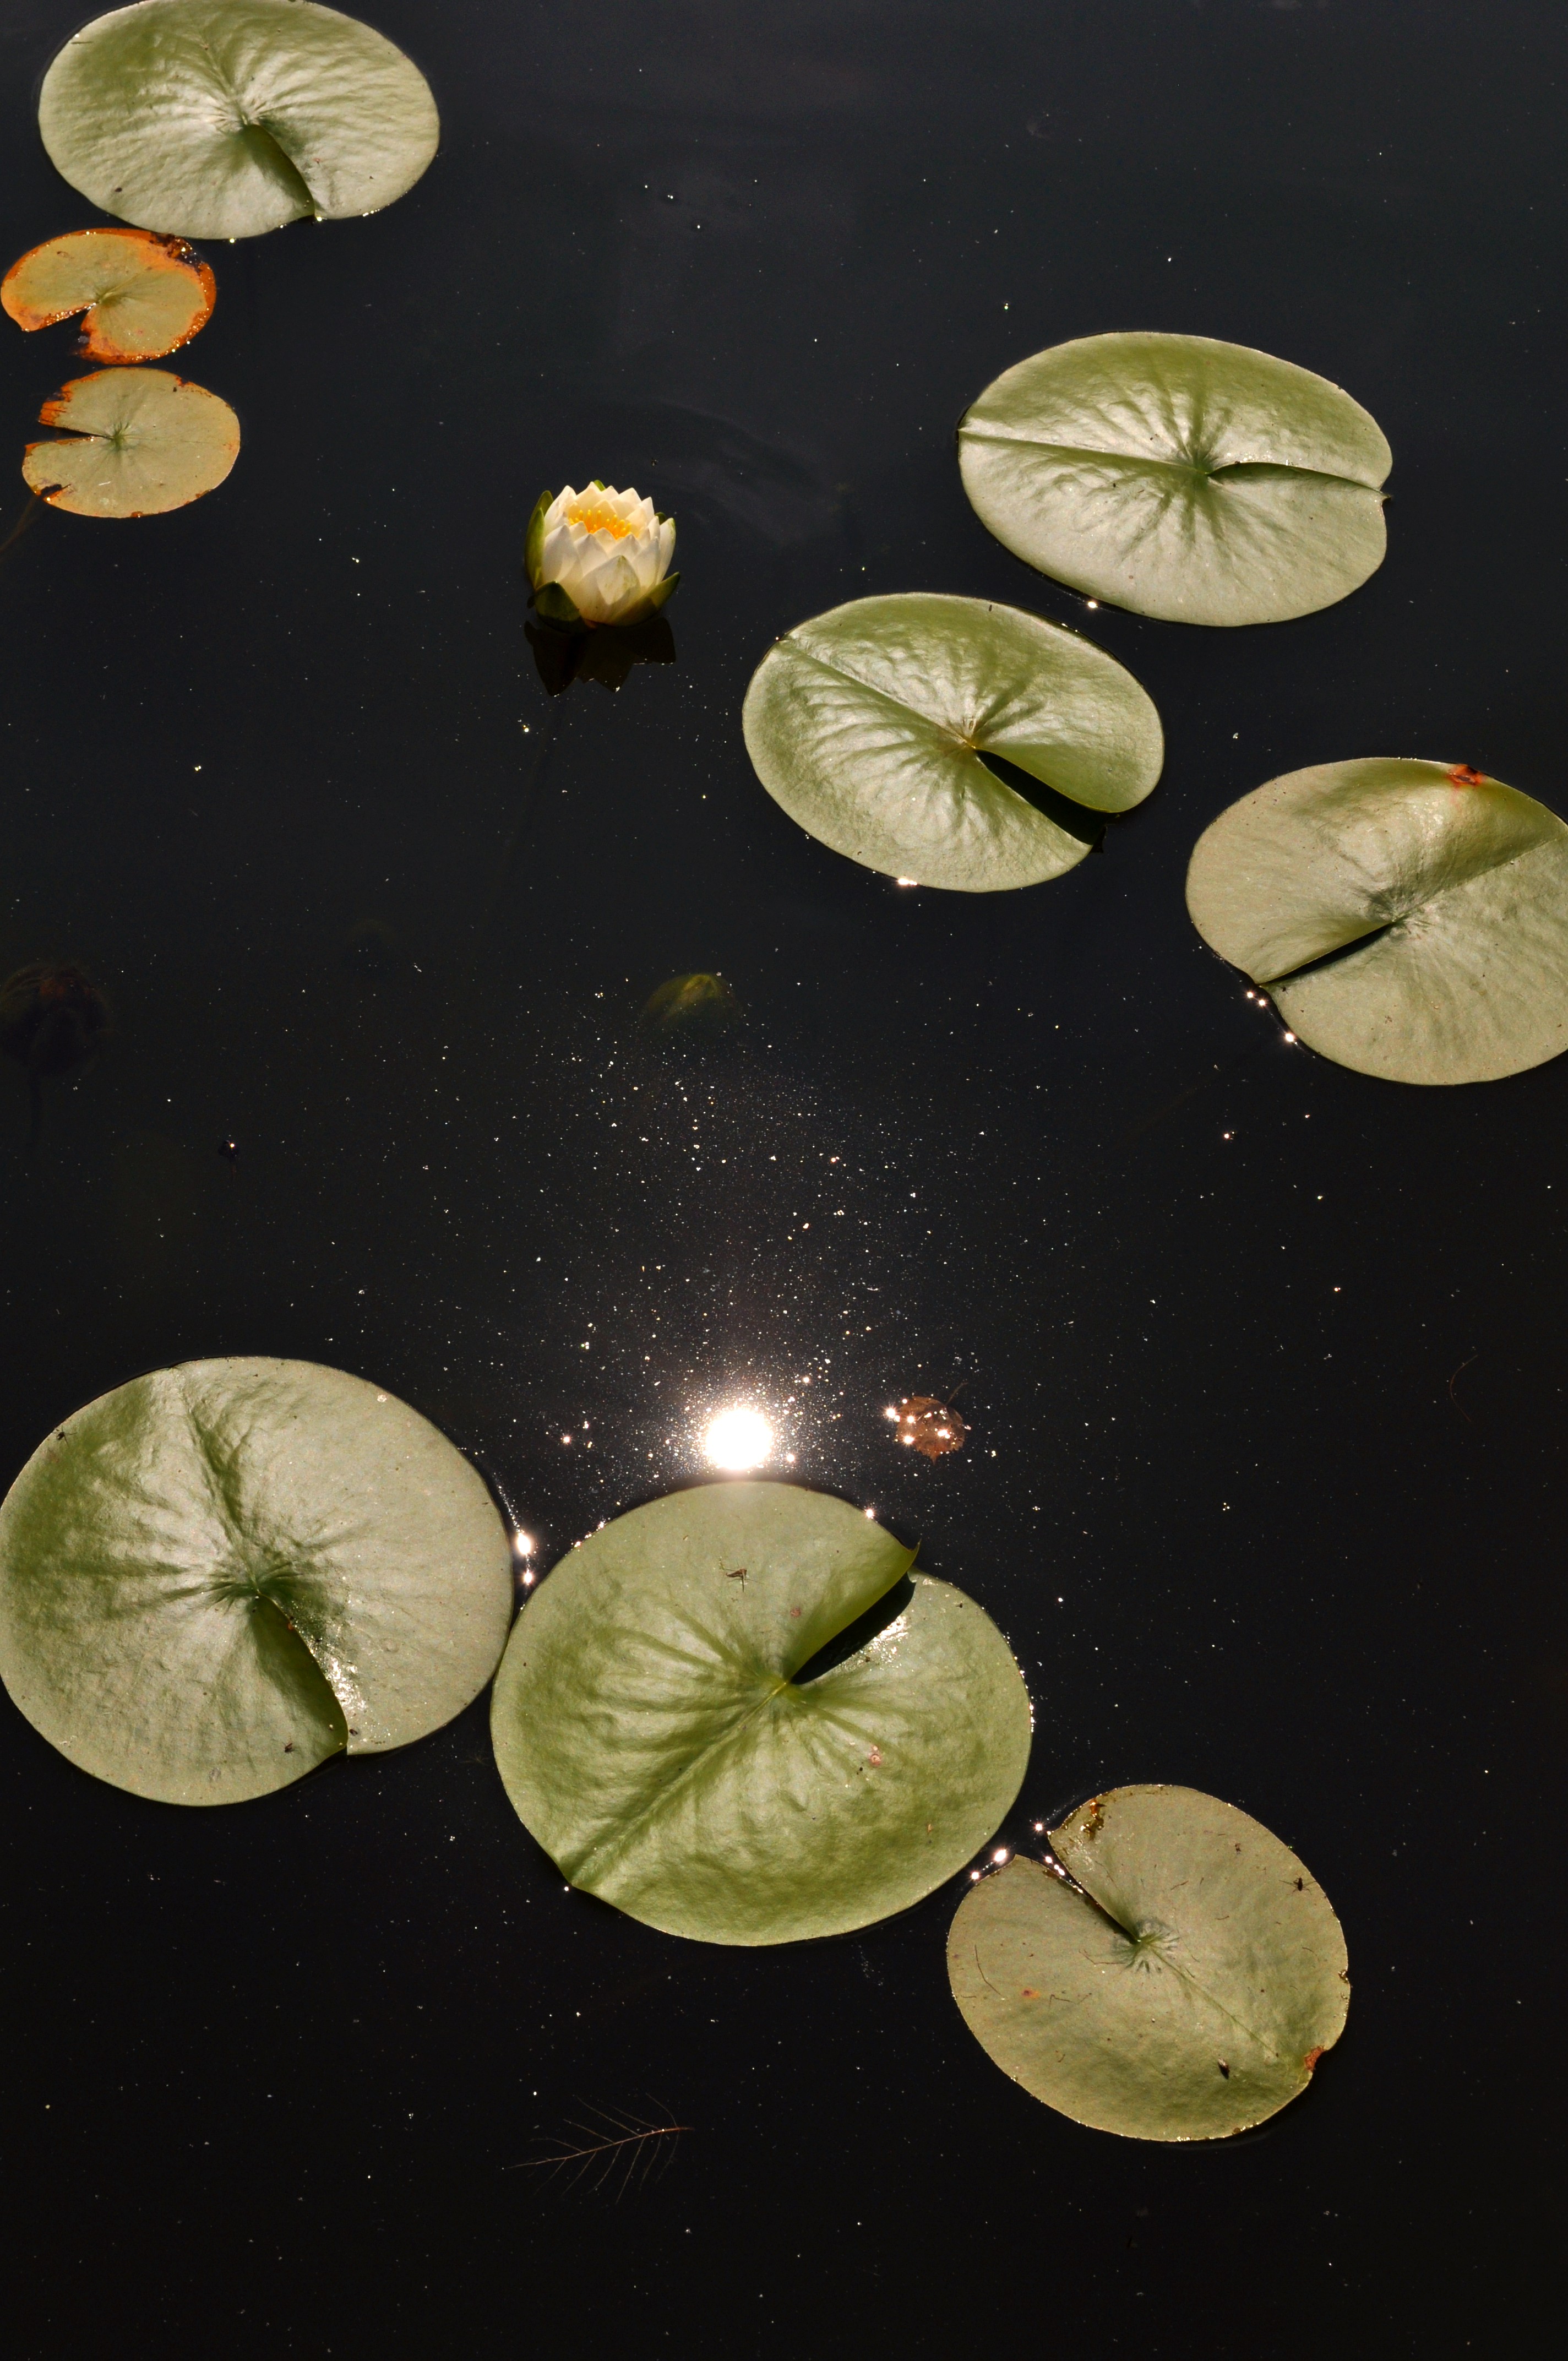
216 1576
872 725
140 441
1408 920
1200 482
653 1733
1185 1994
223 119
141 295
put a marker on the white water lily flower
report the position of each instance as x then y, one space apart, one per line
608 552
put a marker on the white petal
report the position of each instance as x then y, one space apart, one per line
617 592
555 551
595 588
666 545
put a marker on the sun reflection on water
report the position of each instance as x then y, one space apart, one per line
737 1439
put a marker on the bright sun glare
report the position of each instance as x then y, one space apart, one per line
737 1440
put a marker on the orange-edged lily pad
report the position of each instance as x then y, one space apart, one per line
138 441
141 295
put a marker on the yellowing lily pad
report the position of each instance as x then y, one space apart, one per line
1198 481
141 295
223 119
217 1576
653 1732
1183 1986
140 441
1408 919
947 740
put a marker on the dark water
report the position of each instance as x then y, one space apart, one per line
270 771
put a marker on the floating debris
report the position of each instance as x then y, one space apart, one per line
930 1427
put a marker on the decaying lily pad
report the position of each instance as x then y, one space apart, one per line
1408 919
141 296
216 1576
140 441
654 1734
1182 1988
1198 481
949 741
223 119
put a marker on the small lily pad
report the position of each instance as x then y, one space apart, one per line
654 1734
1408 919
872 725
1197 482
1186 1992
223 119
140 441
141 295
216 1576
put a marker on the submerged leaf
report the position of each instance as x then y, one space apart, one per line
1198 481
1408 919
691 1005
52 1016
1186 1992
216 1576
142 295
655 1735
872 725
223 119
141 441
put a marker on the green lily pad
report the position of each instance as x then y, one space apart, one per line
1200 482
223 119
1185 1994
870 725
140 441
1408 920
652 1735
216 1576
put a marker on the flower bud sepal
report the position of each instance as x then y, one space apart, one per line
554 605
533 546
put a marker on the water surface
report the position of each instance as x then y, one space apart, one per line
1263 1360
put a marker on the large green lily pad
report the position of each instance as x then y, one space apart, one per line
223 118
869 725
216 1576
1444 894
652 1736
139 442
1200 482
1186 1992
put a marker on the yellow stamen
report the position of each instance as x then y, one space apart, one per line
594 516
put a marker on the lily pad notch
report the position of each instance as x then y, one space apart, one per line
949 741
1408 920
655 1735
227 118
1180 1982
1195 481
